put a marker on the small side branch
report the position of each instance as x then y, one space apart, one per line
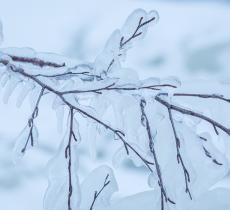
71 72
136 33
124 41
145 120
179 157
36 61
112 87
97 193
212 96
34 115
117 133
208 154
214 123
85 73
68 155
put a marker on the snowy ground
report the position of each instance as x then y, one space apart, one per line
192 40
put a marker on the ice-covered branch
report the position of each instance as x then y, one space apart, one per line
120 41
31 122
124 41
179 156
97 193
208 154
116 132
170 107
145 121
70 83
68 156
212 96
36 61
113 87
214 123
119 134
137 32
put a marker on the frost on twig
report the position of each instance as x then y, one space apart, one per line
145 121
88 91
120 41
98 192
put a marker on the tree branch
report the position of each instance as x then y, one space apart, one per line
212 96
208 154
112 87
152 150
97 193
214 123
68 155
117 133
179 157
36 61
31 122
135 34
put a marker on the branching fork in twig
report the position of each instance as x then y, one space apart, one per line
145 121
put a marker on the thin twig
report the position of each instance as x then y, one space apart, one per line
179 157
214 123
212 96
136 33
152 150
31 122
208 154
68 155
35 61
97 193
112 87
85 73
124 42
